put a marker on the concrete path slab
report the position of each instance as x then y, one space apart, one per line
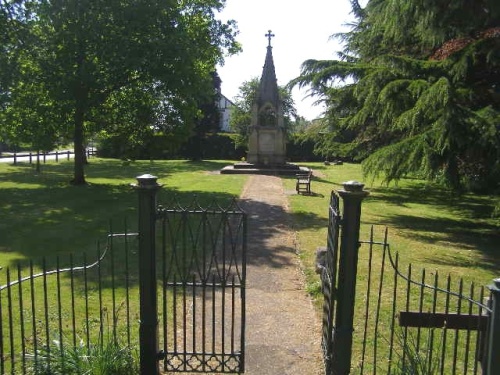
282 331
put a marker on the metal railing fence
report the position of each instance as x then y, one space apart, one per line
409 320
52 308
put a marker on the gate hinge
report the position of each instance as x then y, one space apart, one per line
160 356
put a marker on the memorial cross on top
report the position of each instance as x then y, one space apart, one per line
269 35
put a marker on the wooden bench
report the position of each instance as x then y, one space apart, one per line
303 184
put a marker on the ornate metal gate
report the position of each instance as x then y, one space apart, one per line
328 281
203 282
196 258
338 277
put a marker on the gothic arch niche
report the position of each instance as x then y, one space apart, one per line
268 115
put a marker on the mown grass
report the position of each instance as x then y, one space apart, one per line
43 215
428 225
435 231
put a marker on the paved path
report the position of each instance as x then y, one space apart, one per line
282 331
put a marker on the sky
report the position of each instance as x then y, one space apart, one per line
302 31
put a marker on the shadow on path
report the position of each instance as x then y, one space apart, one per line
283 333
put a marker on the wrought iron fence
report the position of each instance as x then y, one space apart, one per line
56 311
415 321
389 319
49 308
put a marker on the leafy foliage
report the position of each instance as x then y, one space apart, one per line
104 358
417 87
108 355
126 67
208 119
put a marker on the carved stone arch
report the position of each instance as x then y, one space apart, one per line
268 115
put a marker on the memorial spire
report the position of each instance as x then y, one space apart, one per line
268 87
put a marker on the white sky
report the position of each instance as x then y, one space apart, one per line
302 31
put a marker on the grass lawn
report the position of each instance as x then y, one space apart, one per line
428 226
42 215
432 229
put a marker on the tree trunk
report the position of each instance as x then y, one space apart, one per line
38 161
79 172
81 96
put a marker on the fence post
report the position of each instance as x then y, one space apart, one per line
352 196
492 357
147 189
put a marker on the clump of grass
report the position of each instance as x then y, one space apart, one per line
416 359
106 357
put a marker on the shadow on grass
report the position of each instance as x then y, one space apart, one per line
468 223
43 215
468 205
108 169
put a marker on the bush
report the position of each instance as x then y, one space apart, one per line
300 149
211 146
166 146
152 146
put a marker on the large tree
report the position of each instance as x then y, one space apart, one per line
418 85
113 63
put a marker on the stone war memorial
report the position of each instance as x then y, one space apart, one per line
267 133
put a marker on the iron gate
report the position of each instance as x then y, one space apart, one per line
203 266
328 281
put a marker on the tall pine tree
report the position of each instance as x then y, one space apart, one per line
419 85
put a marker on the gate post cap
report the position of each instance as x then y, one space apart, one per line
496 285
353 186
353 189
147 181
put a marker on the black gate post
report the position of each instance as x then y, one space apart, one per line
492 358
147 188
352 196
